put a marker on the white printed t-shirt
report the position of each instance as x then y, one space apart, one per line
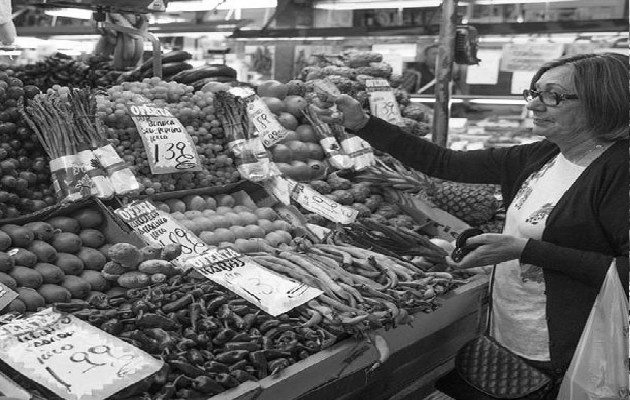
518 301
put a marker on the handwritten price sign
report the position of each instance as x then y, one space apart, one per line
169 147
267 290
6 296
383 101
267 125
159 228
72 358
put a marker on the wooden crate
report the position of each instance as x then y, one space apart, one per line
340 372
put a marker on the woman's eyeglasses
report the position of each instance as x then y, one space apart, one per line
551 99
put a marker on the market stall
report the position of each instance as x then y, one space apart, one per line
193 236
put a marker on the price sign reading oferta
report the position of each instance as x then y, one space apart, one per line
267 290
72 358
169 147
6 296
158 228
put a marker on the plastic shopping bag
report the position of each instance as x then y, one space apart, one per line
599 369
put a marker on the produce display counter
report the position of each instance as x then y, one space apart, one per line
418 354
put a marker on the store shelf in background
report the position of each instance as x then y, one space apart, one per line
599 25
173 29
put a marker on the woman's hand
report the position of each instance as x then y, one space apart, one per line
494 248
350 113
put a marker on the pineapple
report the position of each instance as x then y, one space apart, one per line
474 204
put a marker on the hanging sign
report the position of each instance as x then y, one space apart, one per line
169 147
529 56
383 102
72 358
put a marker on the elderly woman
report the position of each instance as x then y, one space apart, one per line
567 199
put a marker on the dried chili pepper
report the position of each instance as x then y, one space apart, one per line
227 381
215 367
230 357
195 357
153 320
112 326
223 336
259 361
178 304
187 368
238 365
248 346
277 365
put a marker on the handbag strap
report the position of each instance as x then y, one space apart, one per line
490 290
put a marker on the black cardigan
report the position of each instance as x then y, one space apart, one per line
585 230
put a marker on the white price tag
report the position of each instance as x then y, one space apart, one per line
267 125
269 291
311 200
158 228
72 358
6 296
383 103
169 147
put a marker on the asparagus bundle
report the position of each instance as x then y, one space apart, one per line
334 153
54 126
92 135
252 159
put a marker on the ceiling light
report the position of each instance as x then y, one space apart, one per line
373 4
77 13
208 5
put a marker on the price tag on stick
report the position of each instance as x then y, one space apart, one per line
267 125
269 291
158 228
383 101
169 147
72 358
6 296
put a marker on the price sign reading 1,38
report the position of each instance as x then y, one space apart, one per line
169 147
159 228
72 358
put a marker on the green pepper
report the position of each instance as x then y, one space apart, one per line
277 365
207 325
223 336
187 368
215 367
242 337
189 333
273 354
113 327
230 357
214 304
164 338
178 304
206 384
227 381
258 360
242 376
269 324
238 365
207 354
152 320
203 340
185 344
249 320
195 313
195 357
182 317
249 346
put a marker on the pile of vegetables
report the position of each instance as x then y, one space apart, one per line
63 70
349 71
196 112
